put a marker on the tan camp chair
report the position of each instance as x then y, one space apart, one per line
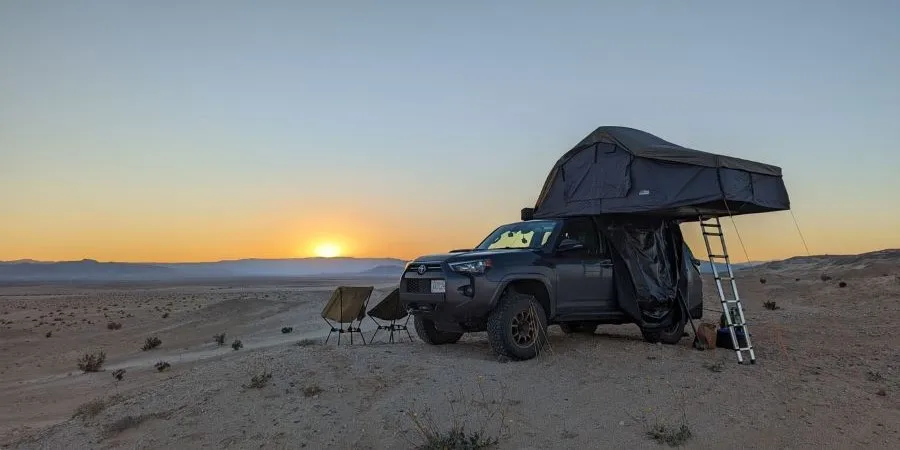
347 305
390 309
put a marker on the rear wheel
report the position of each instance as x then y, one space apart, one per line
578 327
670 335
427 332
517 327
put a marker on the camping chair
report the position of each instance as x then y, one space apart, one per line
347 305
390 309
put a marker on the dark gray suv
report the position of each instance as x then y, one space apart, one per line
523 277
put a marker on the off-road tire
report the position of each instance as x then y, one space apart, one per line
500 324
670 336
430 335
578 327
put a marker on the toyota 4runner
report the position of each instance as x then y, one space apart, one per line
523 277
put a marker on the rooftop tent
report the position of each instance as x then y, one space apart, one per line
620 170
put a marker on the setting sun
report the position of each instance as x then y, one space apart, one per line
327 250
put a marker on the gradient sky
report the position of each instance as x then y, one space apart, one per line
206 130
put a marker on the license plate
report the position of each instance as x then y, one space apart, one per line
438 286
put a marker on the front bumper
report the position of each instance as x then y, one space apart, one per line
465 298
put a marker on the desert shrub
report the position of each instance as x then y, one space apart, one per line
312 390
94 407
762 280
771 305
286 330
306 342
92 362
673 436
151 343
825 277
219 338
842 284
48 334
122 424
463 429
118 374
873 375
717 366
166 315
162 365
259 380
113 326
237 344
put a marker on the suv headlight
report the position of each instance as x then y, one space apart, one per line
477 266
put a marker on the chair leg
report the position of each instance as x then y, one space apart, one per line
406 328
332 330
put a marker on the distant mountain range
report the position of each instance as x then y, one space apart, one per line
91 270
706 267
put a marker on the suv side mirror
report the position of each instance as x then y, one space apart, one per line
568 245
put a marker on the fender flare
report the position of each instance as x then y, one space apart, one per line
539 277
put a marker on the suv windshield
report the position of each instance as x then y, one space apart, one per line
529 234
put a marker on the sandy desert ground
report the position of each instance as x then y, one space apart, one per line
827 375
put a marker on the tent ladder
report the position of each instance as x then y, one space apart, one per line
731 305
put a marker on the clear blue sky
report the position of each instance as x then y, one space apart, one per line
218 129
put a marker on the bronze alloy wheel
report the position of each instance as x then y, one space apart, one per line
524 328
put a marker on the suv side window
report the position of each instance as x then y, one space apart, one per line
582 230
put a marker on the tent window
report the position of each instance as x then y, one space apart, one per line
598 172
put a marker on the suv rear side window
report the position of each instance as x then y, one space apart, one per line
582 230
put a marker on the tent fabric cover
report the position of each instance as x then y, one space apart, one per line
650 264
347 303
620 170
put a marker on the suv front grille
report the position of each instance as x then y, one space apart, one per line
418 285
429 267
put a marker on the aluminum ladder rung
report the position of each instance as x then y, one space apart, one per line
732 309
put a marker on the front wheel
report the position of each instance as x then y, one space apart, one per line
427 332
517 327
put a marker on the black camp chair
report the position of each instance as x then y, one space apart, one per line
390 310
346 306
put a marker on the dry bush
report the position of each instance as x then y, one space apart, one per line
219 338
151 343
237 344
673 436
286 330
842 284
312 390
771 305
162 365
92 362
113 326
94 407
119 374
259 380
122 424
762 280
480 424
667 433
716 367
306 342
825 277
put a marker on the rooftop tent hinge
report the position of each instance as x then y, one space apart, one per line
731 305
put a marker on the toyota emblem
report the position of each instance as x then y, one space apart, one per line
421 270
